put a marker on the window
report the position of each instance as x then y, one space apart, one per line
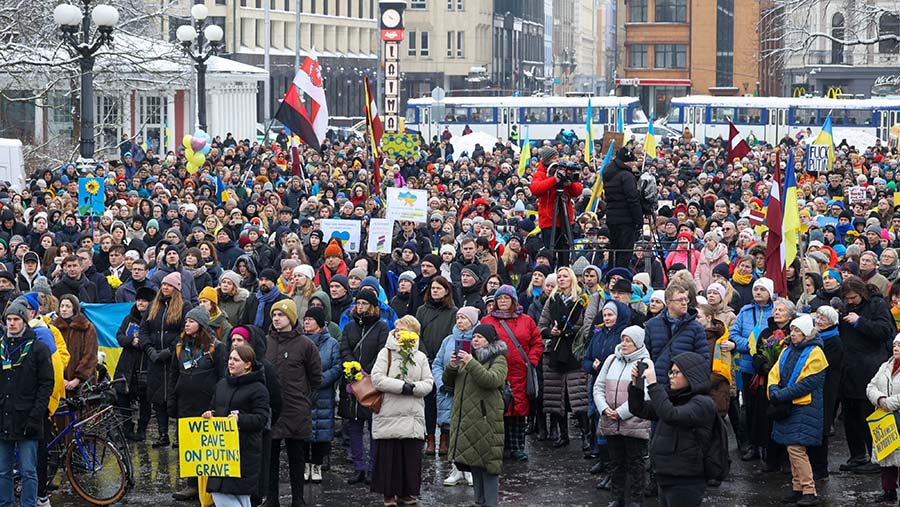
325 7
423 44
459 44
670 56
889 24
561 114
749 115
637 56
454 3
449 44
260 33
674 115
671 11
637 11
456 114
535 114
417 4
61 108
107 111
837 31
805 116
721 114
725 43
482 114
412 43
851 117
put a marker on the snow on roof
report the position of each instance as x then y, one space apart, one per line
786 102
546 101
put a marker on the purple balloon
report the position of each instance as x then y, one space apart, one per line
197 143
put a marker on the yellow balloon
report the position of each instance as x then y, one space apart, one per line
189 153
191 168
198 159
186 141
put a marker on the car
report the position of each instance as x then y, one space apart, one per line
274 130
639 131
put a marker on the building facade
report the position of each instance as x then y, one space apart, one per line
672 48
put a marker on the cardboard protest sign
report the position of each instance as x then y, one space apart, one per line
208 447
380 232
347 231
885 438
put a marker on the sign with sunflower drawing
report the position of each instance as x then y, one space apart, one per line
91 196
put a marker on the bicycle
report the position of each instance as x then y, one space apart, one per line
92 448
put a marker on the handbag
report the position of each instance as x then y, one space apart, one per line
532 385
779 410
365 393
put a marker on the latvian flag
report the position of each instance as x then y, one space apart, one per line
292 113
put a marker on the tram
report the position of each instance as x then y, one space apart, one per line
542 116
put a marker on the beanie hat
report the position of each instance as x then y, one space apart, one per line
42 285
548 153
31 298
722 270
805 324
289 264
829 313
232 277
579 265
145 293
409 245
768 284
833 273
333 249
173 279
243 332
341 279
269 274
368 296
409 276
152 223
472 273
622 285
359 273
469 312
507 290
719 289
317 314
489 333
210 294
287 307
244 241
199 315
636 334
643 278
611 306
432 259
659 295
685 235
17 308
305 270
448 249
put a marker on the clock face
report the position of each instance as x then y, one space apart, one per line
390 18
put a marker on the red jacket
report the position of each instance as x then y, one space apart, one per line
544 187
526 331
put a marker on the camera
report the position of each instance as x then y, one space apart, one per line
565 171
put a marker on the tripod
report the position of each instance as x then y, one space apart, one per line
561 238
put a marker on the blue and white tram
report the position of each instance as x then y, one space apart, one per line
860 122
543 117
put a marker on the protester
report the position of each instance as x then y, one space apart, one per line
81 342
323 408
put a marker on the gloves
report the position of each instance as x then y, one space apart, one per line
761 364
163 355
408 388
33 429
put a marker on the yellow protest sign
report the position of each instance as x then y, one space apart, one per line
208 447
400 145
885 437
896 198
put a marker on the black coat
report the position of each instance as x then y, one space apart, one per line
299 367
82 288
248 395
623 202
250 311
158 339
360 341
133 362
866 345
193 387
25 389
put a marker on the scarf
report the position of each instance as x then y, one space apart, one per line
889 272
264 299
811 361
895 367
196 272
742 279
497 314
6 355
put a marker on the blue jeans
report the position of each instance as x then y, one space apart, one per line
27 470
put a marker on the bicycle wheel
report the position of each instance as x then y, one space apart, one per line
96 470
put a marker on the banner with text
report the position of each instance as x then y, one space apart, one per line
404 204
885 438
348 231
208 447
817 161
381 232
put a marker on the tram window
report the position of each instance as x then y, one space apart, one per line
411 115
851 117
674 114
455 114
561 114
482 114
535 114
721 114
805 117
749 115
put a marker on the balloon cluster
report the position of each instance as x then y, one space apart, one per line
196 147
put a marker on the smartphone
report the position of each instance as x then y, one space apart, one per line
464 345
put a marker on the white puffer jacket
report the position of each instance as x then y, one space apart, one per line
886 385
611 391
401 416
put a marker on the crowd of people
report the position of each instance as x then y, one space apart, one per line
512 314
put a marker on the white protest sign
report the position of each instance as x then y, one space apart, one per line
380 232
348 231
818 158
857 195
407 205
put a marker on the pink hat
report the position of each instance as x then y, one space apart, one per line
469 312
173 279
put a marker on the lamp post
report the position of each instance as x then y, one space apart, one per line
208 39
70 18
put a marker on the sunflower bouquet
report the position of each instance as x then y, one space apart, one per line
352 371
408 343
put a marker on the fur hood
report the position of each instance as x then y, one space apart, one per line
487 354
398 259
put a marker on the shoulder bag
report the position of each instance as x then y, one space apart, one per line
366 394
532 385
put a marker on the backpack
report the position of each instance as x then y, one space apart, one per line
716 461
649 193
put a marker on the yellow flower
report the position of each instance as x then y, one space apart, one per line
113 281
358 376
92 187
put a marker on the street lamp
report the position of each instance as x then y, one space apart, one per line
70 18
208 39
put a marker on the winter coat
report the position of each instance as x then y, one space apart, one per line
25 389
299 368
332 368
258 341
401 416
441 363
81 341
544 188
192 387
437 322
127 292
228 254
602 345
253 304
805 424
526 333
705 262
834 354
361 341
664 342
133 361
886 384
219 326
623 201
248 395
82 288
865 345
748 319
333 329
402 304
743 295
471 296
687 258
568 317
157 339
476 428
233 306
59 356
823 298
684 421
611 391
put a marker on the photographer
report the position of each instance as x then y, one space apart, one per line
623 205
555 186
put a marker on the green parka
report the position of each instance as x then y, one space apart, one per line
476 421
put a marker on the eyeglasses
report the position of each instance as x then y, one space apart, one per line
674 373
679 300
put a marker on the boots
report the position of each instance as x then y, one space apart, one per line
562 423
530 426
429 445
188 492
541 427
584 426
162 441
315 474
307 470
554 428
455 477
445 443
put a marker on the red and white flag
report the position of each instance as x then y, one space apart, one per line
737 146
775 251
310 126
376 131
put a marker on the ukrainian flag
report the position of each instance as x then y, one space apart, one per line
791 215
650 140
524 155
826 137
589 140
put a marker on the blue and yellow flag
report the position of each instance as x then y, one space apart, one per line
650 140
589 139
524 155
221 195
597 192
791 215
826 137
620 119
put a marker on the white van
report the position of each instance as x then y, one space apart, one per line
12 163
